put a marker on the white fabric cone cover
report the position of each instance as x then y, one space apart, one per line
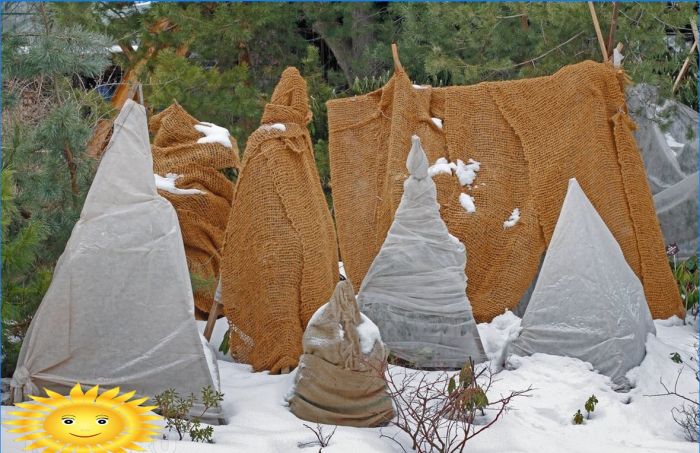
415 290
587 302
119 311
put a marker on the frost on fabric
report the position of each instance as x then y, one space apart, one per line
437 122
274 127
439 167
168 184
466 173
467 202
513 219
368 333
213 134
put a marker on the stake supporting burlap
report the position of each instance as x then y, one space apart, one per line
203 215
280 258
340 378
530 136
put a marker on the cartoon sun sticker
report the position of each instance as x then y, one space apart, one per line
85 422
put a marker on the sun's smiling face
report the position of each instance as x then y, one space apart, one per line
84 424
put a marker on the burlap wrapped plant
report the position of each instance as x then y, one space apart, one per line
204 200
339 381
280 260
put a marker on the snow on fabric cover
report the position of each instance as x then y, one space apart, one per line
196 152
339 381
415 290
280 262
119 310
530 136
587 303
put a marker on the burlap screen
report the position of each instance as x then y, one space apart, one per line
202 217
531 136
280 260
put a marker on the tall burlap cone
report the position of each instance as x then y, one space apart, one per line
202 216
340 378
280 261
530 136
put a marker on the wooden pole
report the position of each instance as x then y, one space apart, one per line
613 29
395 55
598 33
684 68
686 63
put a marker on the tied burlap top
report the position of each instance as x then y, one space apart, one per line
530 136
280 258
202 216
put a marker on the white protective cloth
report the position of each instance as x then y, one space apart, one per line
119 311
667 136
415 290
587 302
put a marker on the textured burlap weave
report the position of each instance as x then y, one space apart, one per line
340 381
531 136
280 260
203 216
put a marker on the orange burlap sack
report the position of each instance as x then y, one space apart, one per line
280 261
202 216
530 136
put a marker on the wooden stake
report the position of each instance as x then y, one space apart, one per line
214 312
598 33
613 29
395 54
684 68
694 26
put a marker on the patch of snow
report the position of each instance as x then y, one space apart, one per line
341 331
441 166
274 127
217 336
454 239
214 134
420 87
617 58
670 141
341 269
467 202
513 219
368 333
437 122
466 173
168 184
259 420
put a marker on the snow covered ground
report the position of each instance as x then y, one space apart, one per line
260 422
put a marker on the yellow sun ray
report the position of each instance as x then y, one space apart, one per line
84 422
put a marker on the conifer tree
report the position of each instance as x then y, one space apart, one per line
48 118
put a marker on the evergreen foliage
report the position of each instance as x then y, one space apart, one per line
48 117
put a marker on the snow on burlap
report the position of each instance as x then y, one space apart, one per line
339 381
587 303
415 290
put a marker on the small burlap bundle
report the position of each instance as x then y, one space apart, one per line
530 136
280 261
340 378
202 216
